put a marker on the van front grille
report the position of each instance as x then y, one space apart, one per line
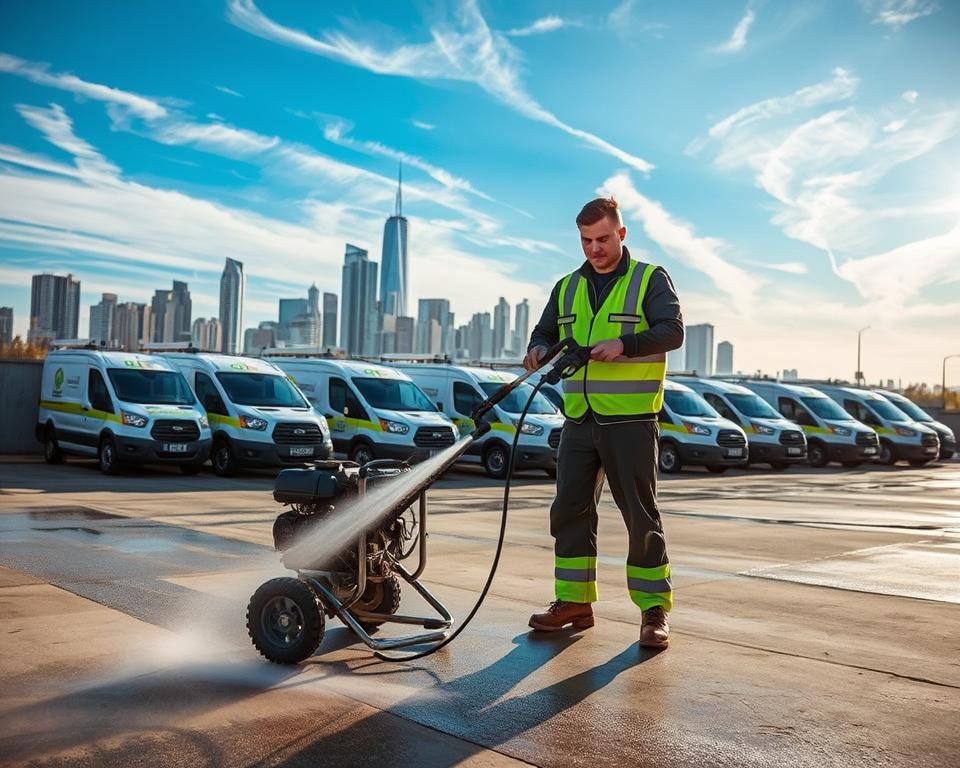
554 438
867 438
791 437
730 437
175 430
434 437
297 433
929 440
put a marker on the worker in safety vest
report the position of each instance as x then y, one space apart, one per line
629 313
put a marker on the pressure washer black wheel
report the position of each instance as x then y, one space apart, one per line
285 621
379 597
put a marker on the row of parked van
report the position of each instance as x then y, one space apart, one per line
185 408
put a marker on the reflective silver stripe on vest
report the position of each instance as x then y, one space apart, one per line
575 574
570 293
633 296
648 585
578 387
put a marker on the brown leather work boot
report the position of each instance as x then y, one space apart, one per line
655 632
560 614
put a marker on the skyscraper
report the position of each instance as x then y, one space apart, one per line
101 319
54 307
480 341
724 357
232 285
677 358
206 335
433 316
501 327
290 310
393 280
699 344
6 325
358 326
404 335
131 325
313 299
329 320
170 313
521 331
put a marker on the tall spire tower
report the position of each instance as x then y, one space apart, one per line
393 277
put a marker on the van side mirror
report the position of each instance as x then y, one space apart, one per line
346 410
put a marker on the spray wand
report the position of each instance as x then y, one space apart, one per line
568 357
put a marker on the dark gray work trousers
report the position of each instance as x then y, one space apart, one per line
626 454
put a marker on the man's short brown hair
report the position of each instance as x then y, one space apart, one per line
597 209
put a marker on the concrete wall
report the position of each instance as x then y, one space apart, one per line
950 418
19 393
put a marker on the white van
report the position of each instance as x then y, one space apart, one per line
374 412
458 390
773 439
948 441
832 433
901 438
122 408
693 433
258 416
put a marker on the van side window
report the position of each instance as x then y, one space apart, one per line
465 398
208 396
721 405
861 412
792 410
343 400
97 392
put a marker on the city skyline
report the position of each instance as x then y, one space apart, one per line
794 178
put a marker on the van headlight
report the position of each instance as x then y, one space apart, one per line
204 421
253 422
133 419
394 427
697 429
530 429
840 431
762 429
905 432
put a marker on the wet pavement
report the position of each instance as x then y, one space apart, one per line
816 624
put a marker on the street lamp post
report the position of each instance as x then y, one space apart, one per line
943 382
859 371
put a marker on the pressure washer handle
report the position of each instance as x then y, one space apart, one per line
568 364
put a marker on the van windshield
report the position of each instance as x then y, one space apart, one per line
753 407
886 410
393 395
263 389
684 403
516 401
155 387
825 408
910 408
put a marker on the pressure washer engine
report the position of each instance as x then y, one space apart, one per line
360 582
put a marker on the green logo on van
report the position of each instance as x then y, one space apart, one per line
58 382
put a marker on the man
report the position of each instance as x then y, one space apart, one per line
629 313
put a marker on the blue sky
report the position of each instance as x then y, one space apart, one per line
792 164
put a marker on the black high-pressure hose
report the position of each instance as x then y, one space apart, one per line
565 366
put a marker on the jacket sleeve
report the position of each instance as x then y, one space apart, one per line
661 306
545 332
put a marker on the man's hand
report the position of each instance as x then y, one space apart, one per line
532 361
607 351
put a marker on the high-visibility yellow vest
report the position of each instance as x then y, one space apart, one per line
628 386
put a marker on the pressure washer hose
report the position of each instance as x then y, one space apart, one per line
496 557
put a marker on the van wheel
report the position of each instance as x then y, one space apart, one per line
223 460
888 454
107 456
362 453
669 460
817 455
51 448
495 460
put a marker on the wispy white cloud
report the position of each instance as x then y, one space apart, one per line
423 126
787 267
463 48
910 96
542 26
228 91
738 38
57 127
621 15
216 136
679 240
898 13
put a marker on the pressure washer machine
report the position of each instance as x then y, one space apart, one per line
361 584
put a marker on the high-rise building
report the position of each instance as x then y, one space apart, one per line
232 286
257 339
404 330
677 358
393 278
521 330
313 299
54 307
724 357
790 374
170 314
290 310
206 335
329 320
6 325
480 337
501 327
433 316
101 320
358 325
131 325
699 344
